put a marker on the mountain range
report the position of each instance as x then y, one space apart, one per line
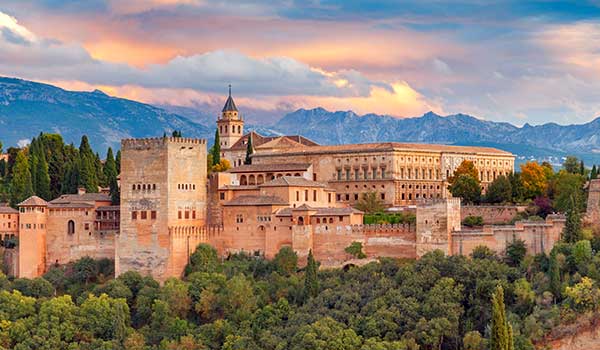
28 108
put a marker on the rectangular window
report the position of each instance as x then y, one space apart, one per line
179 215
306 195
187 214
347 174
314 195
356 196
193 214
222 195
134 215
356 174
329 197
144 215
339 174
297 195
383 196
347 196
86 226
153 215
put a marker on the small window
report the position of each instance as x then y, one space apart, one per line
134 215
222 195
153 215
193 214
71 227
87 226
187 214
144 215
179 215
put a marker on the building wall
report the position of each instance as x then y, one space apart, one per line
174 172
593 204
436 219
538 236
400 177
493 214
32 241
9 225
64 247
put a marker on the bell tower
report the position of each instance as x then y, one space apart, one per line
230 124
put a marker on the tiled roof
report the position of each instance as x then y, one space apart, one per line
250 168
385 146
272 142
320 211
7 210
33 201
256 200
52 205
109 208
286 181
85 197
229 105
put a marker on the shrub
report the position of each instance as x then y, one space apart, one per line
471 221
355 249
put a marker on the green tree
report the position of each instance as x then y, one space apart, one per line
554 275
515 252
118 161
203 259
501 335
21 187
499 191
355 249
594 172
370 203
467 188
466 167
571 165
175 294
238 300
110 166
568 187
572 230
87 166
286 261
325 334
216 149
42 178
249 150
311 278
106 318
584 296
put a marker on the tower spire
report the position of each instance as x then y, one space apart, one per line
229 90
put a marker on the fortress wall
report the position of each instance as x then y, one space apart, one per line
538 236
492 214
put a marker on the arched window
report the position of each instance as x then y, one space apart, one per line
300 220
243 180
71 227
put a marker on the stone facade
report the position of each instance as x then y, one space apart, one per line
493 214
593 204
163 191
9 222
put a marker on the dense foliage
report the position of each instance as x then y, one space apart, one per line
48 167
247 302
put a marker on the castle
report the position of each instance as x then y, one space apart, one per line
294 193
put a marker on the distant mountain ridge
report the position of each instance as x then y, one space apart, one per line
460 129
28 108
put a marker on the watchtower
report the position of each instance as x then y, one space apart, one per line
163 186
33 218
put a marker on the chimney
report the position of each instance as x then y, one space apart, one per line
80 190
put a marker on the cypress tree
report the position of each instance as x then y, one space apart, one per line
216 149
42 178
33 162
249 151
110 166
101 179
311 279
501 337
594 172
21 187
572 230
118 161
115 194
554 272
581 168
87 166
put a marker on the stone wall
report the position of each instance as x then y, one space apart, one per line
64 247
593 204
174 194
539 236
328 242
436 219
10 261
492 214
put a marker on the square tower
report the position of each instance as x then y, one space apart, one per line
163 186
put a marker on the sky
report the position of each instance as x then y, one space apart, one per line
515 61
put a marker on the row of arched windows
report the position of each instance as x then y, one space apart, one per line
223 129
186 187
143 187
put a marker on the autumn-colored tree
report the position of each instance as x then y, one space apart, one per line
467 167
534 179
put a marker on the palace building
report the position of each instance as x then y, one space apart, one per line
295 193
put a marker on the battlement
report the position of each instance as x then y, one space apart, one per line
434 201
159 141
374 229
